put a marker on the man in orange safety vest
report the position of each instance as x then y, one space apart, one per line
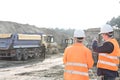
77 59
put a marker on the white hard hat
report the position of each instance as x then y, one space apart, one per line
106 29
79 33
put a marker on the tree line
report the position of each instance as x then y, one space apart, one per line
115 22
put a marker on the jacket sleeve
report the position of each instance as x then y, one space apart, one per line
107 47
90 60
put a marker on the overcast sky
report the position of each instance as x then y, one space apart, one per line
78 14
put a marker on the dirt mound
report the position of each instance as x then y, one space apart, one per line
13 27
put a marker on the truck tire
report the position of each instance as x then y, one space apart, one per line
24 55
18 55
37 52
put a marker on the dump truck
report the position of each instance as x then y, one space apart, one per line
22 46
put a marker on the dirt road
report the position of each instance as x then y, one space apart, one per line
50 68
35 69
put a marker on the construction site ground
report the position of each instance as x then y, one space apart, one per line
51 68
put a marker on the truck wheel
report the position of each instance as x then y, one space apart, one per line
25 55
37 52
35 55
18 56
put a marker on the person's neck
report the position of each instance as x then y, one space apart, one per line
78 43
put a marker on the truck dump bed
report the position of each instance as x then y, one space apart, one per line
19 41
27 41
5 41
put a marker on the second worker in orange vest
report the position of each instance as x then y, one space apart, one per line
77 59
109 52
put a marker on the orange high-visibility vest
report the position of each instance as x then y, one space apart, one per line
110 61
77 59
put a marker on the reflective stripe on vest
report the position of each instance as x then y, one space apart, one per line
76 64
108 63
108 56
77 72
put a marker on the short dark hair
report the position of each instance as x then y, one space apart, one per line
80 39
